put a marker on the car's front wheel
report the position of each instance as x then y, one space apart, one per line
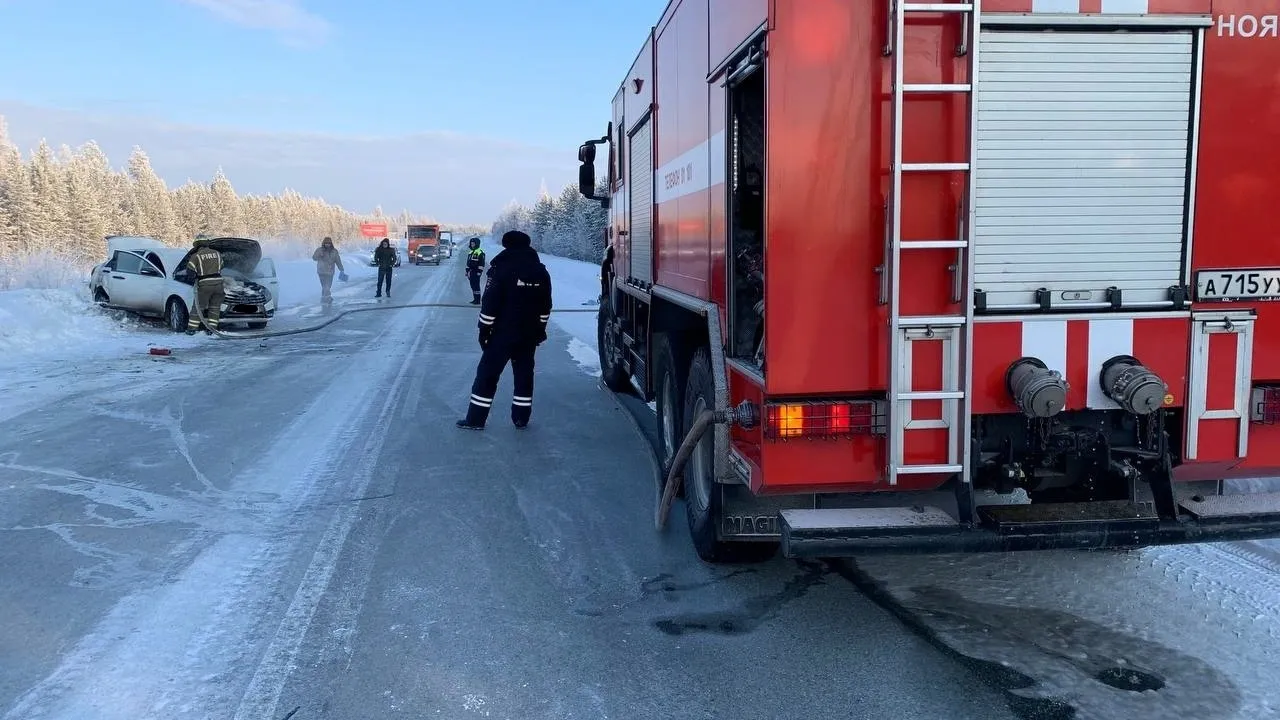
100 296
175 315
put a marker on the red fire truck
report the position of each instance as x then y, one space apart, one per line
954 276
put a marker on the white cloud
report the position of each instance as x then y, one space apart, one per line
454 177
295 24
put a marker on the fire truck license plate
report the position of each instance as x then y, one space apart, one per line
1226 285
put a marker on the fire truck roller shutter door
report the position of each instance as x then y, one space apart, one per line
1082 161
641 235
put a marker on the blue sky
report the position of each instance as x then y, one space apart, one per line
533 76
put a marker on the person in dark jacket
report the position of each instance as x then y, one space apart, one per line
514 312
475 267
385 258
206 264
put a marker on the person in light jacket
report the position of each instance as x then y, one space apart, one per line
327 258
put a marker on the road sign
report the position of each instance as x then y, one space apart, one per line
373 230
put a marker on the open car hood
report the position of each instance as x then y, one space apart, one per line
239 254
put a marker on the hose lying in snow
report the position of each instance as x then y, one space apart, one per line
312 328
675 476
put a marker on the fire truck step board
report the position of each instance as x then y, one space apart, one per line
933 244
883 519
1236 507
926 321
936 87
928 469
937 7
935 167
1118 514
931 395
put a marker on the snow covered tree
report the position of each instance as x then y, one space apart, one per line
257 215
108 188
87 204
151 206
64 202
224 206
15 197
560 238
49 191
569 225
541 217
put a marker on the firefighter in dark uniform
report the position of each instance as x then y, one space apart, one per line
513 322
206 263
475 267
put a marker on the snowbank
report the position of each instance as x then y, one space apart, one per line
51 324
576 285
44 271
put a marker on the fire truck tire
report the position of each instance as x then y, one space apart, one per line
701 496
611 371
669 408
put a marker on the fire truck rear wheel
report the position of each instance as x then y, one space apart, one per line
669 408
702 497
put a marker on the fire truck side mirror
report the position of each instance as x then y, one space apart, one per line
587 177
587 153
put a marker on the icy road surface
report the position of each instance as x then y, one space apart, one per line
293 527
1190 631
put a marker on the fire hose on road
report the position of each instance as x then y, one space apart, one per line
674 477
312 328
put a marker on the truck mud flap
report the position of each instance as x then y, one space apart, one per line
1046 526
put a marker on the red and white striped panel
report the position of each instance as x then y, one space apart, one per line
1077 347
1101 7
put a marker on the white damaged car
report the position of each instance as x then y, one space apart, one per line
144 276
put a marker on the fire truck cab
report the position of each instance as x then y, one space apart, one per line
952 276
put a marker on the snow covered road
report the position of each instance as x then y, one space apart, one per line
1189 631
246 529
253 529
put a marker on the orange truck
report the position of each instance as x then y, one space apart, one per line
426 237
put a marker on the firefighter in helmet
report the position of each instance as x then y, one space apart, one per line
475 266
513 322
206 264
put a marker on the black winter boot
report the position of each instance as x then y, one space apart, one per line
476 416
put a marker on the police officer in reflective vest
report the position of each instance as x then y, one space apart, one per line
206 263
475 266
513 322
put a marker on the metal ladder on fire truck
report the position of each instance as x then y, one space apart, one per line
954 330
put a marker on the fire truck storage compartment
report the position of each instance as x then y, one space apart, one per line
640 184
1083 140
746 201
